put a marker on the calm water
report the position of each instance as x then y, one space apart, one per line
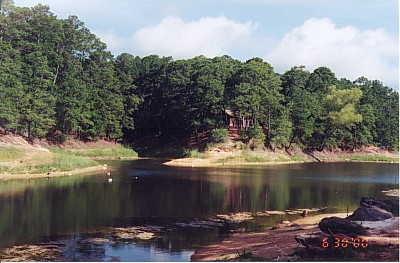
144 192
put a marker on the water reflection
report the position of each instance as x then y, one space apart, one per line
145 192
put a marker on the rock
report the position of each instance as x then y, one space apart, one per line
142 233
312 241
236 218
390 205
336 225
97 240
393 192
388 225
31 253
275 212
369 213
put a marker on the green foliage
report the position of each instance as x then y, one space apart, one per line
281 131
253 132
218 135
58 79
188 153
251 158
63 163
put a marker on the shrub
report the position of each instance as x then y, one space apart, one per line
218 135
253 132
187 153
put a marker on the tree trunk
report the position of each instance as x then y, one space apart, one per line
29 131
269 128
56 75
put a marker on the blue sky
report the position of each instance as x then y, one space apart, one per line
352 37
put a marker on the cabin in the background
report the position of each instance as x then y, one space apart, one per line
234 122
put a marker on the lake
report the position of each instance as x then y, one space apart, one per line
144 192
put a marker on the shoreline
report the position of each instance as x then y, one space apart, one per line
91 169
181 162
204 163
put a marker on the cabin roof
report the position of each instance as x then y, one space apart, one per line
229 112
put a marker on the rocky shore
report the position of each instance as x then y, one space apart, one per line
373 235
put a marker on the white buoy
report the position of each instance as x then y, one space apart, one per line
110 180
69 174
108 173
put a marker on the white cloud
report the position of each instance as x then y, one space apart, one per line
348 51
113 41
209 36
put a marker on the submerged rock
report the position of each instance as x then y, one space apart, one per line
142 233
275 212
31 253
209 223
236 218
97 240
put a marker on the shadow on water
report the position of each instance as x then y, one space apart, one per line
144 192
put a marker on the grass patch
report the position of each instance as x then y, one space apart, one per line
299 158
373 158
59 163
9 153
98 152
64 162
18 160
187 153
255 159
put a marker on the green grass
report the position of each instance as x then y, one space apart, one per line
187 153
255 159
17 160
9 153
65 162
99 152
59 163
373 158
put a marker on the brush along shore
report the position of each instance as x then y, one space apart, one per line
235 154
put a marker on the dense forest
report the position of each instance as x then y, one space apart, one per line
57 79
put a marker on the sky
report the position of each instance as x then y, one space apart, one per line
353 38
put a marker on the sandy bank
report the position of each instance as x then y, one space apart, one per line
93 169
195 162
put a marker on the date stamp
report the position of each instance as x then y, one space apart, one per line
345 243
